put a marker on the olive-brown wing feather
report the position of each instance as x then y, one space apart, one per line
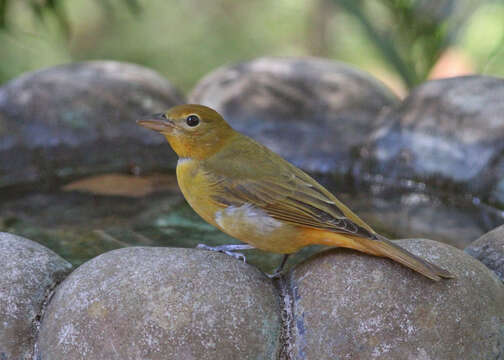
252 174
295 203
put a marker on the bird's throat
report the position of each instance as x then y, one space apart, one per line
198 147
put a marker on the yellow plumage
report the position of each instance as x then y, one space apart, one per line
254 195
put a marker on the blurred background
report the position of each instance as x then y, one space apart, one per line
95 200
401 42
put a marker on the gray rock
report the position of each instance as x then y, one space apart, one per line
162 303
447 131
311 111
489 249
29 274
348 305
80 119
400 213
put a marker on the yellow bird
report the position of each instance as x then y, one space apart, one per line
252 194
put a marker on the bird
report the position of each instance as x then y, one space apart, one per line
252 194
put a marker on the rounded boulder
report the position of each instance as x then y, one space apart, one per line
30 272
162 303
311 111
347 305
489 249
76 119
447 131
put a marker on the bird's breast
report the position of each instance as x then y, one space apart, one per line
195 186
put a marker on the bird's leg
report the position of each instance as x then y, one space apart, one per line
228 249
276 273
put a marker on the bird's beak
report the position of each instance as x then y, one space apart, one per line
156 122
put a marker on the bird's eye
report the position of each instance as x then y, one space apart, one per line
192 120
163 115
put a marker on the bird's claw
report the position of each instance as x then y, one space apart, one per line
274 275
222 249
238 256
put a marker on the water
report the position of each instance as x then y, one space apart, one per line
79 226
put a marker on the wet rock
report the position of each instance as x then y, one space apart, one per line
311 111
350 305
400 212
80 119
447 131
162 303
489 249
29 273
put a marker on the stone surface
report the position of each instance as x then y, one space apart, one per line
29 273
446 131
414 212
311 111
80 118
162 303
347 305
489 249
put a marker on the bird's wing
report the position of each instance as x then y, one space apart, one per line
282 191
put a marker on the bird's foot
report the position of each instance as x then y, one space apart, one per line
278 271
228 250
276 274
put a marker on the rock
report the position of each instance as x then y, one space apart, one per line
80 119
347 305
29 274
162 303
448 131
401 212
489 249
311 111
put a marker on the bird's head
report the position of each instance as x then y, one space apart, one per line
193 131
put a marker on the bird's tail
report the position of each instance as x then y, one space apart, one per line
386 248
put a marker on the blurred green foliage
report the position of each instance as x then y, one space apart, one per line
43 8
414 33
397 40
